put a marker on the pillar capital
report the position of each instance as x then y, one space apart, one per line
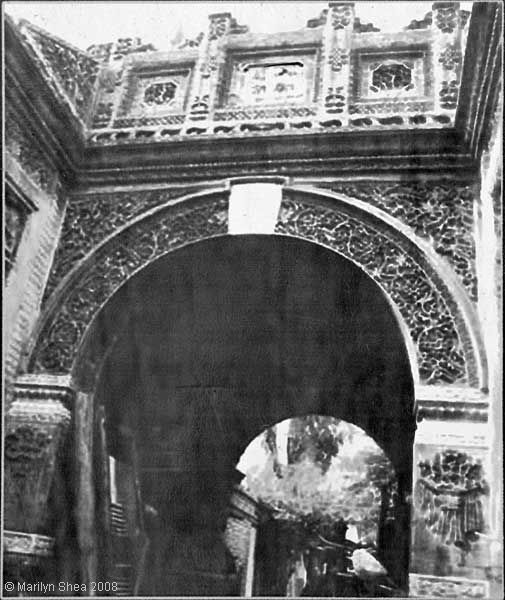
451 403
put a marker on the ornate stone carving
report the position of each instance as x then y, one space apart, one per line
337 59
36 424
254 114
76 71
425 586
449 488
451 58
334 101
392 76
113 264
218 25
90 219
446 15
439 213
160 93
430 322
341 15
449 94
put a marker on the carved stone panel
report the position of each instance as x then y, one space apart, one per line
89 219
432 327
75 71
440 213
451 508
36 424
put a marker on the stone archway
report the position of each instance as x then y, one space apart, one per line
225 337
436 317
437 322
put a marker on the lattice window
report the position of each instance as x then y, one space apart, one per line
160 93
16 215
391 77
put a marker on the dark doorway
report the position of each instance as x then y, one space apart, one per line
214 343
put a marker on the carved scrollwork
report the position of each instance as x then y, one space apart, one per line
114 263
89 220
439 213
432 328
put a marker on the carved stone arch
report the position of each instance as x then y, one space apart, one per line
438 322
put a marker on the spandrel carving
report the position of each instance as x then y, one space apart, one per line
431 325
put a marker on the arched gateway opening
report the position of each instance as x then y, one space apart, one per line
207 347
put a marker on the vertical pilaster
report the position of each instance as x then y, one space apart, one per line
205 89
337 39
447 26
450 506
36 426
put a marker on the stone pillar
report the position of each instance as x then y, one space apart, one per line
337 38
205 87
447 29
450 517
36 426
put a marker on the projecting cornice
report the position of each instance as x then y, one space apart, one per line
314 139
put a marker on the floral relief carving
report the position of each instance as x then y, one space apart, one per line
430 322
446 16
76 71
451 58
337 59
341 16
439 213
90 219
113 264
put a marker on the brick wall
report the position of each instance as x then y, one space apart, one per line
25 283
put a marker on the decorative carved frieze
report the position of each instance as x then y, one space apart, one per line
75 71
336 51
113 264
35 427
439 213
89 219
432 327
426 586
